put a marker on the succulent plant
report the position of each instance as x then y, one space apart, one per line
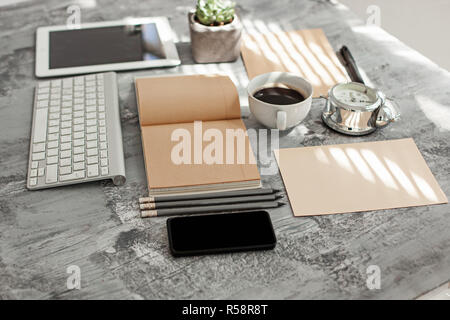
215 12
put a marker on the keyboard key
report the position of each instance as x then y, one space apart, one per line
78 121
33 173
55 102
53 115
91 109
78 157
78 166
53 136
65 154
73 176
103 145
67 83
92 170
90 102
39 147
103 137
44 90
102 130
65 162
91 122
78 80
52 160
78 114
66 131
42 96
33 181
92 152
101 102
104 154
43 84
54 129
101 123
78 127
78 135
55 109
92 160
66 146
101 115
52 123
38 156
91 115
104 162
66 117
91 129
52 144
40 128
91 136
67 103
91 144
101 108
66 138
67 97
52 152
65 170
78 94
34 164
78 142
66 110
56 83
66 124
90 77
51 176
42 104
41 172
78 150
78 107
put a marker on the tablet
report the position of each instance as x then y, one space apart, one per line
133 43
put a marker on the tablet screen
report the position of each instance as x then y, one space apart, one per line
96 46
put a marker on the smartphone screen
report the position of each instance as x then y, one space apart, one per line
218 233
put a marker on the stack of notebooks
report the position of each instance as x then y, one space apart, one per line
168 107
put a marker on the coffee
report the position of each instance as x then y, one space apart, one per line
278 95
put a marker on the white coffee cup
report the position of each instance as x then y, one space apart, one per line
277 116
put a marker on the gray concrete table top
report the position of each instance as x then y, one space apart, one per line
96 227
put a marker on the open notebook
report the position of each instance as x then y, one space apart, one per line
187 124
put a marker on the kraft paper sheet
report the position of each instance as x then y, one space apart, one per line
304 52
357 177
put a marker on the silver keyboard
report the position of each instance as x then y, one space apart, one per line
76 133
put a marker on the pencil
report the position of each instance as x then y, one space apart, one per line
209 195
206 202
208 209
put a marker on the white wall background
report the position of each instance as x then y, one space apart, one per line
422 24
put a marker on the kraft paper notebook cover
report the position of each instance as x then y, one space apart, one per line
172 104
304 52
357 177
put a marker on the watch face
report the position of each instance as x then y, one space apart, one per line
355 95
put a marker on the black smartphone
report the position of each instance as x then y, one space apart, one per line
219 233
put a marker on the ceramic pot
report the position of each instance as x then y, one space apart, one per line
212 44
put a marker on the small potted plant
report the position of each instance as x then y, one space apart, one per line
215 31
